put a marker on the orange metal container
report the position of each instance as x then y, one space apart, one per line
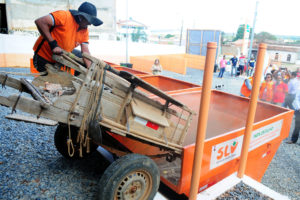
224 137
132 71
169 85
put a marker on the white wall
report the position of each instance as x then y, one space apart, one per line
22 13
282 56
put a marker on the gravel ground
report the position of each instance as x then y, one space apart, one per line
31 168
240 191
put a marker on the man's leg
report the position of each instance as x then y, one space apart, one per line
233 68
295 135
40 63
223 70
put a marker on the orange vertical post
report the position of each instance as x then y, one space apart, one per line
252 109
202 119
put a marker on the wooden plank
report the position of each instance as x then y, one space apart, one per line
70 63
106 122
10 82
32 119
139 82
148 112
34 107
125 102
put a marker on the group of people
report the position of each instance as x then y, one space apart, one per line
239 66
280 87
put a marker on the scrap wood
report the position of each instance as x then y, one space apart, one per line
32 119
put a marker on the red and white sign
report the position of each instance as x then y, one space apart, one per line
146 123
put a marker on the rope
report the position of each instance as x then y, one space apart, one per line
92 105
89 114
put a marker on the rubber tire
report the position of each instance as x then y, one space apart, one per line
60 140
123 166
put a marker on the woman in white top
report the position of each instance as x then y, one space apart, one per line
156 67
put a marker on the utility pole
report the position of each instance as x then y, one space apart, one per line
252 34
127 23
181 32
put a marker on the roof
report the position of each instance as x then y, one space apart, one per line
271 45
131 23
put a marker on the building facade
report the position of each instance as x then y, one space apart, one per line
19 15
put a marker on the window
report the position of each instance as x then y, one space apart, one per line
276 56
288 58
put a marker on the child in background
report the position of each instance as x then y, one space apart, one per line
156 67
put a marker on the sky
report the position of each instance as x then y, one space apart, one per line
278 17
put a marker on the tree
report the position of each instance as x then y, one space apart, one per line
169 36
263 36
240 32
138 35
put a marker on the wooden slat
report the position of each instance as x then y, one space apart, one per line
106 122
10 82
68 62
148 112
32 119
34 107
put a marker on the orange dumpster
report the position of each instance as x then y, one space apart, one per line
224 137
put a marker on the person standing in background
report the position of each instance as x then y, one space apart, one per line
266 89
293 86
242 63
296 107
233 61
280 88
251 67
222 67
156 67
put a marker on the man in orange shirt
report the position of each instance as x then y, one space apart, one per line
63 30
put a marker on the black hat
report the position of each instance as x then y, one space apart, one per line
89 12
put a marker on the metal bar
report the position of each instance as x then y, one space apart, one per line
252 109
203 117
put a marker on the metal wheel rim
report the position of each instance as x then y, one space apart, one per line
135 185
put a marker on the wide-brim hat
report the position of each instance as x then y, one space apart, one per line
89 12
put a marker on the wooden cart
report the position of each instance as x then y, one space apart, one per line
97 103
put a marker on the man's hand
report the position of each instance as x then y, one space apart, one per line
57 50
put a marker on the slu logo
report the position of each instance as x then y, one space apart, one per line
227 151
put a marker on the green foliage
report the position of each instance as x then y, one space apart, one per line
294 42
169 36
240 32
139 35
263 36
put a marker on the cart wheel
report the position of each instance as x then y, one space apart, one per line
132 176
60 140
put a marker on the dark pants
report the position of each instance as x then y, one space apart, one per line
241 69
40 63
222 70
295 135
288 101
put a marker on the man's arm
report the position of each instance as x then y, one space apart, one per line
44 24
248 84
85 49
